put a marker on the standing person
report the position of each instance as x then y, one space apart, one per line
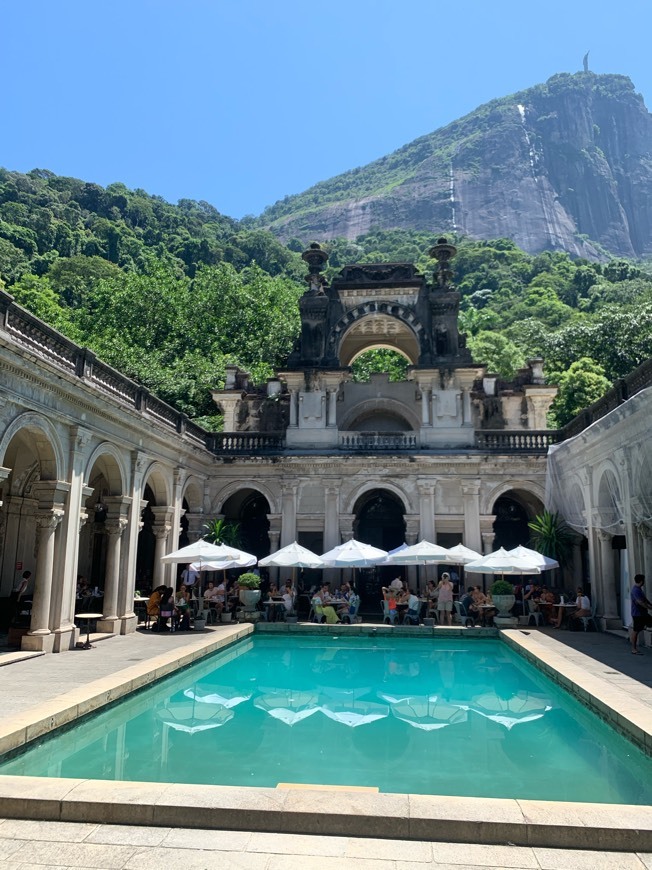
189 578
640 616
445 599
19 589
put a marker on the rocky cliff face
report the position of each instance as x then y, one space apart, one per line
562 166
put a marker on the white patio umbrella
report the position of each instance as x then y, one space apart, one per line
353 554
201 551
423 553
545 562
461 555
503 562
244 560
292 556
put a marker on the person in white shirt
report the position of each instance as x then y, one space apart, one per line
414 606
189 577
582 605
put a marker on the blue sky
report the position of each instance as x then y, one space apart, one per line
241 102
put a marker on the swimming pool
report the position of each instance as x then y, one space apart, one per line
453 716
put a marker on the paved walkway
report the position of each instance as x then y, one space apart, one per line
25 845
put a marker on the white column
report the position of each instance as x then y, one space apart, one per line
293 409
129 546
289 514
46 525
161 529
65 589
607 576
331 514
113 530
471 498
467 413
332 409
425 405
427 509
646 537
488 542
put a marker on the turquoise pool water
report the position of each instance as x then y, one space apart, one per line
406 715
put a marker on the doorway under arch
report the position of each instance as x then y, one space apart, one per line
379 521
250 509
513 511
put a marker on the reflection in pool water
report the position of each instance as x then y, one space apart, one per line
429 716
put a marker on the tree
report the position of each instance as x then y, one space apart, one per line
580 386
380 360
498 353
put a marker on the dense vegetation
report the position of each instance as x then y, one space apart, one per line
171 294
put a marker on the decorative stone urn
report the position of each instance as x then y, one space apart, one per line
502 595
249 599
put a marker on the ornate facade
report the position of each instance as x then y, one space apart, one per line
101 478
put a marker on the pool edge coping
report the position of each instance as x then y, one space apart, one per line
338 813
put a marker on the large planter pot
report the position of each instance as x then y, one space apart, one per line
504 603
249 598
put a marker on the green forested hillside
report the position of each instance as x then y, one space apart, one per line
169 294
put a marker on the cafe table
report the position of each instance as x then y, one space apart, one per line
88 617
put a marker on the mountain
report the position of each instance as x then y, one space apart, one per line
566 165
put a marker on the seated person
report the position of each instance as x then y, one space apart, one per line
153 605
413 608
166 609
322 607
582 608
211 595
390 597
478 610
432 593
467 599
274 608
547 605
84 593
288 599
182 605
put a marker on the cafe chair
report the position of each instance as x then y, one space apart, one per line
388 619
533 613
165 614
587 620
354 606
461 614
316 614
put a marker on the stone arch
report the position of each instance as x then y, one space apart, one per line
250 509
158 478
376 324
529 492
608 497
380 407
114 472
360 491
193 493
217 504
43 442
